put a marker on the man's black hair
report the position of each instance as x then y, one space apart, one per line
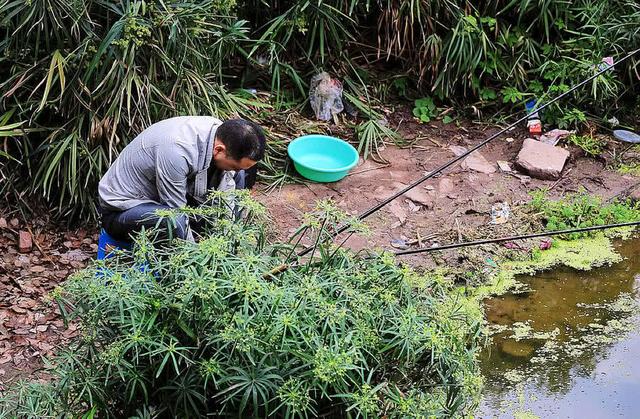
242 138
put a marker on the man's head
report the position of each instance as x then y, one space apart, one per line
239 144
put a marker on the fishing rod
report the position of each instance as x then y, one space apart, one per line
284 267
450 163
512 238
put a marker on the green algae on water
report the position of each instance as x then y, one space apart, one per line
581 254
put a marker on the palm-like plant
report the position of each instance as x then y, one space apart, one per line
87 76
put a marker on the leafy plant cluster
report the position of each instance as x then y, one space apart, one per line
79 79
425 109
218 327
590 144
582 210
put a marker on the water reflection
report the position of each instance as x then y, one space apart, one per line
556 303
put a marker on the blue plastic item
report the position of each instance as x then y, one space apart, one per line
107 244
530 106
322 158
627 136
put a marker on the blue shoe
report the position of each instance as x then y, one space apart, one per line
107 244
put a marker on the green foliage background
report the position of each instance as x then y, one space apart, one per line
78 79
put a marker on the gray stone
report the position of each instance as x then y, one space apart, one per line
479 163
540 160
457 150
419 197
445 186
504 166
399 212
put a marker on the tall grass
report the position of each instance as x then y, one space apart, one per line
85 76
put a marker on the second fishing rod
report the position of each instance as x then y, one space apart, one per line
455 160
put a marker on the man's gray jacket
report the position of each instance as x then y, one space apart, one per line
163 164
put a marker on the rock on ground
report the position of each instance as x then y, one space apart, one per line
477 162
24 242
540 160
420 196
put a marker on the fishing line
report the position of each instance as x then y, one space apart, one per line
450 163
512 238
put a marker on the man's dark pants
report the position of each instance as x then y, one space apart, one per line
120 224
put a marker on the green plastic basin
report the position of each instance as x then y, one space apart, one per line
322 158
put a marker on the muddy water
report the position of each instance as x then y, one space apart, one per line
569 347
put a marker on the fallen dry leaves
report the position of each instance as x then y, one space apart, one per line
30 326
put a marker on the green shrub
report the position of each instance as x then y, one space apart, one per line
591 145
582 210
199 328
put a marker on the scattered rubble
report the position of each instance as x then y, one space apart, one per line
554 136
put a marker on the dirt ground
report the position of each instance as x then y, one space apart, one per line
455 206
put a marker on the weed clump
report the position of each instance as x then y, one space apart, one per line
590 144
207 328
582 210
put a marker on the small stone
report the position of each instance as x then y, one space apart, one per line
457 150
419 197
14 222
541 160
445 186
504 166
412 207
399 244
38 269
24 241
399 212
479 163
3 222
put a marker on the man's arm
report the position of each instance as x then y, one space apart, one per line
172 170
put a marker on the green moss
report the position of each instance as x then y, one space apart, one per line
582 254
629 169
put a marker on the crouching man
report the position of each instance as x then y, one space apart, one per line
173 163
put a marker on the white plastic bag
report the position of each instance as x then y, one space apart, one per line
325 96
